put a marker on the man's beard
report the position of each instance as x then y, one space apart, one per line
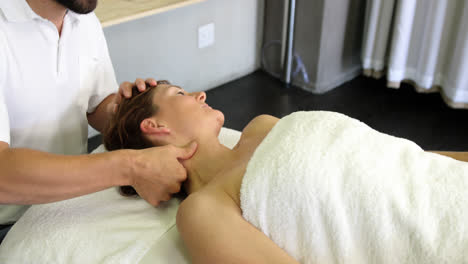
79 6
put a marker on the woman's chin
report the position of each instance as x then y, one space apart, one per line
220 118
219 121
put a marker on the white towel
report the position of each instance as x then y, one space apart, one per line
329 189
102 227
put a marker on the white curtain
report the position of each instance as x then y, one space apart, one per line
424 42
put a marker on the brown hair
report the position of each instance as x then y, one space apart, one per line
124 131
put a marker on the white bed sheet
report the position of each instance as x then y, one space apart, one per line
168 249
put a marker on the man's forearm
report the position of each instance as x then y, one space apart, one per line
461 156
100 118
31 177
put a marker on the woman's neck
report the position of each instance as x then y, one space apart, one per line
211 158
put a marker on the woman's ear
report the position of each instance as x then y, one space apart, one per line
150 126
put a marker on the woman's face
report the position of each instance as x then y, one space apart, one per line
186 114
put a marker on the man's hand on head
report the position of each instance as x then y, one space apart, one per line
125 90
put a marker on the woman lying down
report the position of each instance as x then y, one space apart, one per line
312 187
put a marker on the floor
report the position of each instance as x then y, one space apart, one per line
422 118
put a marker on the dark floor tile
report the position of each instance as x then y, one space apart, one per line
423 118
253 95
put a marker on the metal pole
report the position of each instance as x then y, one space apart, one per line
288 60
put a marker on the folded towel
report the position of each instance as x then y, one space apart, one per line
102 227
329 189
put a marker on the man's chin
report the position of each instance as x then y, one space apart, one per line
79 6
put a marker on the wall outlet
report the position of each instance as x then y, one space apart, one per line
206 35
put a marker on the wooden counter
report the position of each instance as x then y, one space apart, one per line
112 12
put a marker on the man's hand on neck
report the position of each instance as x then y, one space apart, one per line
50 10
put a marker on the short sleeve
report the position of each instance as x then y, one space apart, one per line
4 120
106 83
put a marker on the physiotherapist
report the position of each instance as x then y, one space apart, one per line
56 77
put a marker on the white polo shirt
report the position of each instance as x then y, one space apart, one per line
48 83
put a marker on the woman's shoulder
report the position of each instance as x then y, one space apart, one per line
260 125
264 119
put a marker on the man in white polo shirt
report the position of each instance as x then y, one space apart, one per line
55 78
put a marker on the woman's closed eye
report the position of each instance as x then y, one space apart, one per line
181 92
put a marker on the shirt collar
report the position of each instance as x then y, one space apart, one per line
17 10
73 16
20 11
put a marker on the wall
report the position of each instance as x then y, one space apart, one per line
328 36
165 45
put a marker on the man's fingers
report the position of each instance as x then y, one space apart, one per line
126 89
151 82
175 188
140 83
188 151
154 203
166 198
181 173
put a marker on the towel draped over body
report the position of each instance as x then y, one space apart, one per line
329 189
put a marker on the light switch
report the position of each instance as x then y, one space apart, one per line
206 35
